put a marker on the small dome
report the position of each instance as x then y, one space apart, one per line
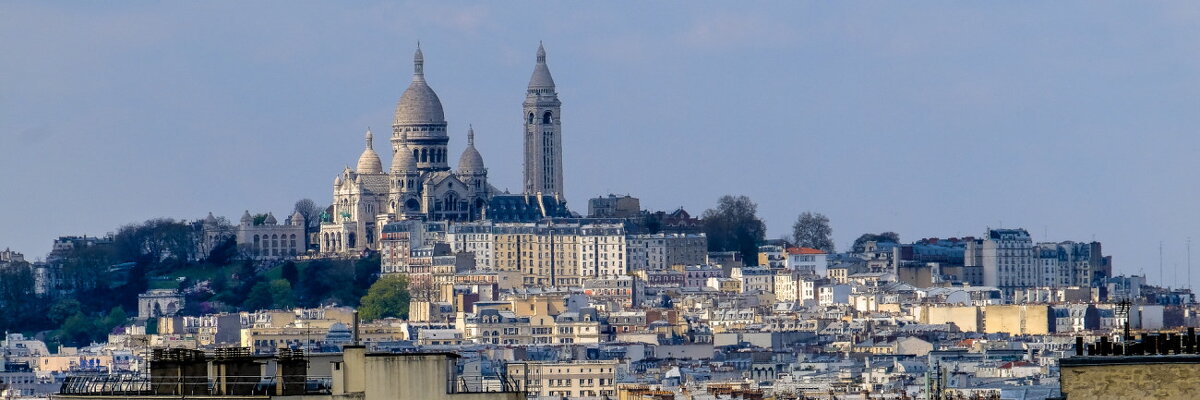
369 162
470 161
403 160
297 219
210 219
270 220
337 180
246 218
419 104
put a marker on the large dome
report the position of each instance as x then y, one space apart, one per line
419 104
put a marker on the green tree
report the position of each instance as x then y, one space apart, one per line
289 272
22 307
63 309
388 297
224 252
859 245
115 318
734 226
812 230
259 298
77 330
281 294
325 281
366 271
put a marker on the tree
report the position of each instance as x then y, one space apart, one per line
859 245
23 309
734 226
77 330
259 298
312 215
324 282
387 298
309 210
281 294
223 252
289 272
115 318
366 271
63 309
812 230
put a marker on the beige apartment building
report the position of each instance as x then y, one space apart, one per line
575 380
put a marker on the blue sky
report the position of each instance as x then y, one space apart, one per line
1075 120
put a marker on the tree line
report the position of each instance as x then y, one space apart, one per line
734 225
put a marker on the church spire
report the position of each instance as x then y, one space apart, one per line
370 139
541 79
418 64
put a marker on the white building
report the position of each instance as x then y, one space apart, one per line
266 239
754 279
1007 258
806 260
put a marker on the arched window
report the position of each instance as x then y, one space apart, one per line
531 118
546 117
416 154
424 155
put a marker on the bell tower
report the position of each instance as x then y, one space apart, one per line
543 132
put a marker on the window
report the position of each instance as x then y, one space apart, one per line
546 118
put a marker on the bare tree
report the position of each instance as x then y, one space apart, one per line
734 226
311 213
812 230
309 210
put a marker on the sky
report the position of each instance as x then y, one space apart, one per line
1075 120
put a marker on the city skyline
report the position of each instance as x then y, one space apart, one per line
140 111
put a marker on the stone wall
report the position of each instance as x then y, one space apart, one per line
1150 377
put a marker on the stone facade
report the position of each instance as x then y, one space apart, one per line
1151 377
613 206
657 252
158 303
265 240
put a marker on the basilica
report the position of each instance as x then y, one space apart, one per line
420 185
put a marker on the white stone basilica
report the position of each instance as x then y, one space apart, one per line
420 183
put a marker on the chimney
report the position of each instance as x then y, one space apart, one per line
354 329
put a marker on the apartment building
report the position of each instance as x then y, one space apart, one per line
575 380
